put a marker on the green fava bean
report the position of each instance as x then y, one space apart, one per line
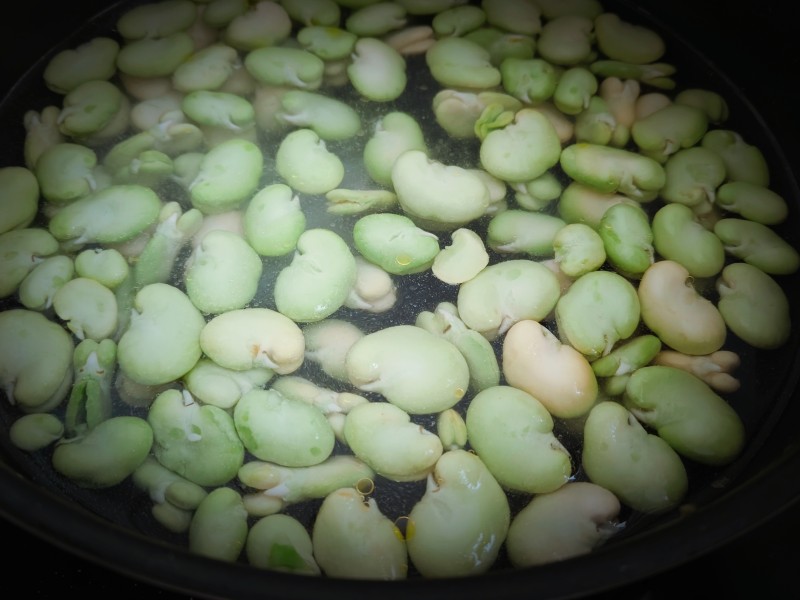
640 468
678 236
35 431
754 306
249 338
218 386
395 243
36 366
319 279
669 129
394 133
353 539
628 356
283 430
207 69
280 542
109 216
686 413
229 173
507 292
329 118
552 9
656 75
274 220
624 41
107 455
758 245
502 44
315 12
91 107
676 312
522 231
424 187
218 109
198 442
40 285
306 165
710 102
162 341
458 20
327 343
693 176
518 17
88 307
156 19
223 272
459 520
329 43
65 172
155 57
531 80
567 40
504 422
284 66
377 19
743 161
21 250
219 526
461 260
575 88
90 61
107 266
19 198
461 63
578 249
752 202
384 437
523 150
377 71
599 309
258 25
343 201
581 203
380 361
627 239
613 170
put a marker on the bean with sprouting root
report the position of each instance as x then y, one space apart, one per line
19 198
22 250
743 161
329 118
461 520
94 60
35 431
109 216
423 186
41 132
445 322
609 169
150 169
522 150
352 538
758 245
377 71
628 356
538 193
218 386
555 373
620 97
374 289
516 231
395 243
593 321
36 369
163 485
66 172
686 413
531 80
677 313
219 525
679 236
714 369
343 201
253 337
319 279
260 25
306 164
280 542
568 522
595 124
451 429
628 239
464 258
229 173
575 87
212 108
207 68
280 486
507 292
458 62
327 343
521 425
196 441
379 361
89 403
693 176
752 202
329 43
639 468
394 133
295 387
285 66
458 111
384 437
754 306
87 307
657 75
581 203
105 455
94 112
282 430
578 249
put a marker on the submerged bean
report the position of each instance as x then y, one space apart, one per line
280 542
395 243
219 526
757 244
377 71
306 164
35 431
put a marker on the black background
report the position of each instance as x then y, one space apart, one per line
755 43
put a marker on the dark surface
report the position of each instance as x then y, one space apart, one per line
757 45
